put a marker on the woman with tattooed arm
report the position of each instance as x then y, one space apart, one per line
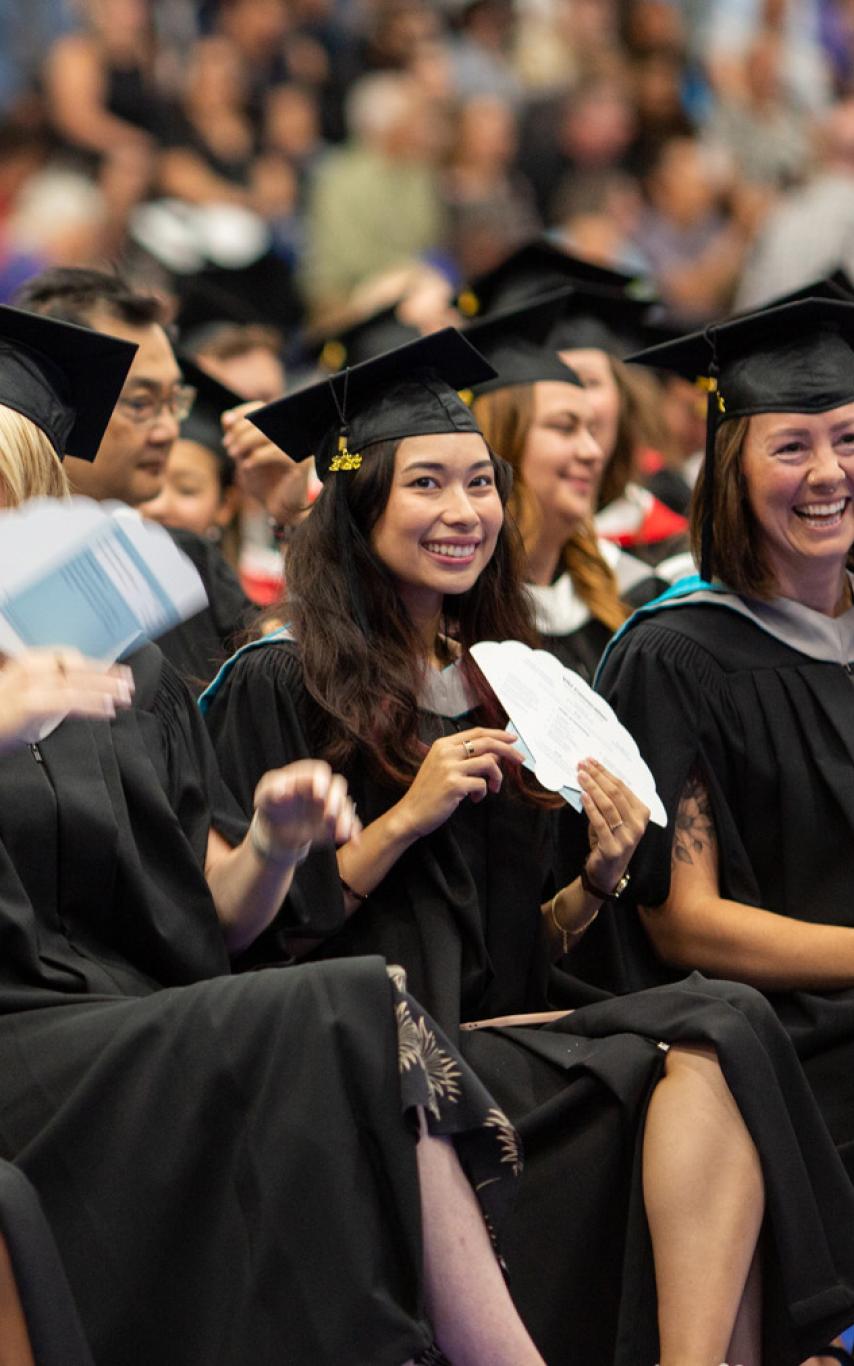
738 689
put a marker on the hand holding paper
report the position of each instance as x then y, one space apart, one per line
561 720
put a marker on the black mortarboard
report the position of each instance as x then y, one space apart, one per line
363 340
206 304
602 320
538 267
64 378
203 424
794 358
517 343
262 292
411 391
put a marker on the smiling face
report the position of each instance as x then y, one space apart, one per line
561 461
799 475
438 529
192 495
594 370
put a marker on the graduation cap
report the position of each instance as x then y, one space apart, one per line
64 378
538 267
410 391
796 357
602 319
262 292
362 340
203 423
517 343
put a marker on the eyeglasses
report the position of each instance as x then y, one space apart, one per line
148 407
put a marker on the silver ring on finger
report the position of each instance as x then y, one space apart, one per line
616 826
468 746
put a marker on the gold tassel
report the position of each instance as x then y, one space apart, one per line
333 355
709 385
345 459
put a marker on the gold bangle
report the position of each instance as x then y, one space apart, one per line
565 934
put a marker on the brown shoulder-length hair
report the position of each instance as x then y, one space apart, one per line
363 662
639 423
737 557
504 416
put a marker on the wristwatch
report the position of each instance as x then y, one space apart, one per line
590 886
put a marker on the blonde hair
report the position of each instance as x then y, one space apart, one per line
504 417
29 466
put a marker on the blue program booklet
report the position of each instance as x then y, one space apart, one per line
93 576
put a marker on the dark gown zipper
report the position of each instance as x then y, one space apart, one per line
37 754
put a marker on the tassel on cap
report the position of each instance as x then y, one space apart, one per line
716 406
345 459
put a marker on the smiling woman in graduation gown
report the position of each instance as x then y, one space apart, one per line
461 909
739 692
227 1164
539 417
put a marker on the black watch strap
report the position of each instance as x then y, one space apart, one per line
590 886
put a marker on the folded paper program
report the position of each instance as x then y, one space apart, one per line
560 720
93 576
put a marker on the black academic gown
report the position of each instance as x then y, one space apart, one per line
568 629
771 728
227 1163
461 911
197 647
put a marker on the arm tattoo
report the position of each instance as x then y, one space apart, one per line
695 824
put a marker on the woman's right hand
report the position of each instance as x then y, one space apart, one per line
39 685
264 471
467 764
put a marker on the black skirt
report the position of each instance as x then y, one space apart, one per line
229 1168
577 1242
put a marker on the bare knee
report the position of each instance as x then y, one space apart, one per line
699 1059
696 1083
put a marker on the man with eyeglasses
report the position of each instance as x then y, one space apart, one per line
131 460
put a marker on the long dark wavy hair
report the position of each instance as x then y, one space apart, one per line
363 661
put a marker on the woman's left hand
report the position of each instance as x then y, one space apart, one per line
304 804
617 821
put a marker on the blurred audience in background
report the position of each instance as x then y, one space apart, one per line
309 162
678 136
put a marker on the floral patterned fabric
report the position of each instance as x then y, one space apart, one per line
434 1077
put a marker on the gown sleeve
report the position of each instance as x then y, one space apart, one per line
256 720
672 694
199 646
195 787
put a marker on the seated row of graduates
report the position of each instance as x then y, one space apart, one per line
662 1131
403 564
